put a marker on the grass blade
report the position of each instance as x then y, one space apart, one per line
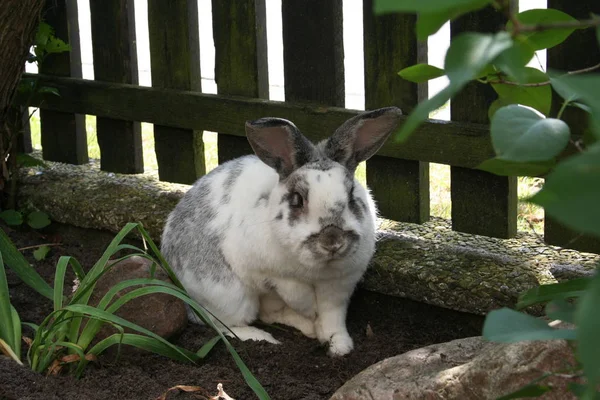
8 351
59 281
16 320
145 343
15 261
6 321
563 290
208 346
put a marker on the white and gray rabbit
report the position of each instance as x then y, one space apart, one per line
284 235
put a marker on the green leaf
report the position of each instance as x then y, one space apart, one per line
208 346
468 55
26 160
588 328
561 310
11 217
531 390
421 73
562 290
509 168
538 97
496 105
424 6
41 252
571 192
43 34
509 326
512 61
6 321
547 38
49 90
15 261
521 135
38 220
430 23
581 87
56 45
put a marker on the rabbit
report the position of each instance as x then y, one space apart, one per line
283 235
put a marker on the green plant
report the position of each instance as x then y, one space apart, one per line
528 139
66 335
45 44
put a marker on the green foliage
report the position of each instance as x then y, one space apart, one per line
522 135
571 193
41 252
35 219
538 97
73 324
543 39
421 73
12 217
528 143
10 324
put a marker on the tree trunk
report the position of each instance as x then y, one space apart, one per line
20 19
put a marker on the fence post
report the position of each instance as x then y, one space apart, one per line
579 51
115 60
63 134
239 31
313 52
482 203
175 64
401 187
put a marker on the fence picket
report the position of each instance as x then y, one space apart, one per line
115 60
482 203
175 64
579 51
401 187
239 31
63 134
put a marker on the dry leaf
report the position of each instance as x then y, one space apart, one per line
185 388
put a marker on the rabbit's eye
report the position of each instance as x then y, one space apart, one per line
296 200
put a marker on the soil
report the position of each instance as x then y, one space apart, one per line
381 326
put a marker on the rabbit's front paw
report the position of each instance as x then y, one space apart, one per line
340 344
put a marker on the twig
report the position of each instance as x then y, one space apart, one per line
39 245
587 23
501 80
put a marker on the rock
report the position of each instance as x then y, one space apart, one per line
160 313
465 369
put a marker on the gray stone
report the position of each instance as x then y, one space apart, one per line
465 369
427 262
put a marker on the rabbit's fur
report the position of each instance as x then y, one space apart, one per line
283 235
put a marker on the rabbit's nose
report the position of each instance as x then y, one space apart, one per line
331 239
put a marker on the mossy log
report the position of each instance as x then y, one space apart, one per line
428 263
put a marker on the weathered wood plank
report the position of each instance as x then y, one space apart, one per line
482 203
401 187
115 60
313 51
239 31
456 143
63 134
579 51
175 63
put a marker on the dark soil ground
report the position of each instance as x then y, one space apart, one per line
297 369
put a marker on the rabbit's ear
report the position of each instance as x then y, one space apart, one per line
360 137
279 144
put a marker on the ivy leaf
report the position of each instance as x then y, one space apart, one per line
496 105
43 34
547 38
26 160
468 55
420 73
538 97
41 252
588 327
511 168
11 217
56 45
571 192
38 220
522 135
50 90
424 6
510 326
512 61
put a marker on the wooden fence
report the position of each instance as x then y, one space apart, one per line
482 203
